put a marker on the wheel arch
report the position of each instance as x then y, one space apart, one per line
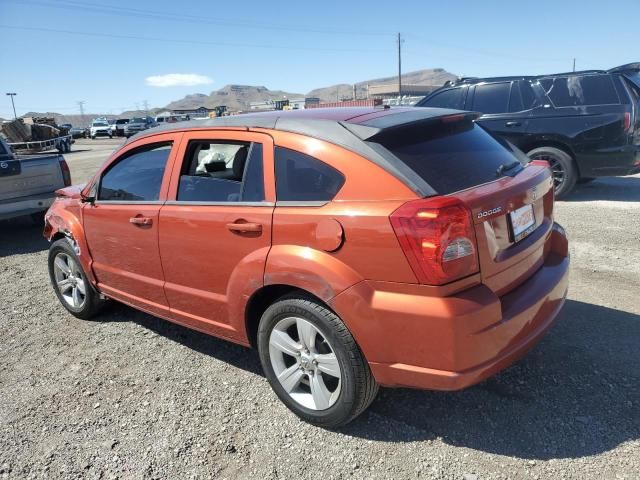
64 224
266 296
554 143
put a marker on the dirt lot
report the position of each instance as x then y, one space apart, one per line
132 396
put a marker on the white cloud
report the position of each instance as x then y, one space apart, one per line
178 80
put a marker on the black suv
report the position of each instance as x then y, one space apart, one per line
585 124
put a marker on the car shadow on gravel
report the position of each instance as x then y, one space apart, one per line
576 394
616 189
231 353
21 235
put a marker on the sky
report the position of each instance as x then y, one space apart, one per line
119 54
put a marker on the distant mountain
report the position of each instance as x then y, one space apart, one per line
238 97
235 97
431 76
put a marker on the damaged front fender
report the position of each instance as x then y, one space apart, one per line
64 221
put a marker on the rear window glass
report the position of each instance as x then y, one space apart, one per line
580 90
635 78
451 157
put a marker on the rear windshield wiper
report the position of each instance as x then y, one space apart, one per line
505 167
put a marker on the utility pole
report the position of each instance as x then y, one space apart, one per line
354 91
399 66
13 104
574 64
81 107
145 104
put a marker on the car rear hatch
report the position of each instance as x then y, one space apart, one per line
507 201
28 176
631 74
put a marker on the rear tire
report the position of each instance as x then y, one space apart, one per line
584 180
563 168
70 282
319 374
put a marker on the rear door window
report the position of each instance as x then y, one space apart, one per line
302 178
219 171
492 98
452 156
528 95
580 90
452 98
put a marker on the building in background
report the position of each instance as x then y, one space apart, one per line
200 112
389 94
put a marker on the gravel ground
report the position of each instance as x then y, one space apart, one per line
132 396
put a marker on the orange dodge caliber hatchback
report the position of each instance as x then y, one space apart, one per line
352 247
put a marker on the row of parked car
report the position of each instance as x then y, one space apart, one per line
585 124
122 127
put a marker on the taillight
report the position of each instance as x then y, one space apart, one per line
66 173
627 121
438 239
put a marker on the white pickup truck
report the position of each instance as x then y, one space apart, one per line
28 182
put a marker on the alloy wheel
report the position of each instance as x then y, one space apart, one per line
557 170
69 280
305 363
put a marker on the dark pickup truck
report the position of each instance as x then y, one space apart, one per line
585 124
28 182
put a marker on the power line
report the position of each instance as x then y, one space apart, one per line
183 41
191 19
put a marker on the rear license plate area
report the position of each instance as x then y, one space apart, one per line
522 222
9 168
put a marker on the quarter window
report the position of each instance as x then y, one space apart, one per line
580 90
137 177
492 98
301 178
222 172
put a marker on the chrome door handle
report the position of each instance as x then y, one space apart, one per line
141 220
244 227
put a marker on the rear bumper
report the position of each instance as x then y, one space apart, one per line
448 343
18 207
618 161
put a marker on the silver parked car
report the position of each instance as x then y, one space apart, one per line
28 182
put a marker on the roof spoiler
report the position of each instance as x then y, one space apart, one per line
624 68
368 131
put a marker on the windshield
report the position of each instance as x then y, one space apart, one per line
121 121
138 120
100 124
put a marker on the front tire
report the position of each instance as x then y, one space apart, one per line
70 283
313 362
563 169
